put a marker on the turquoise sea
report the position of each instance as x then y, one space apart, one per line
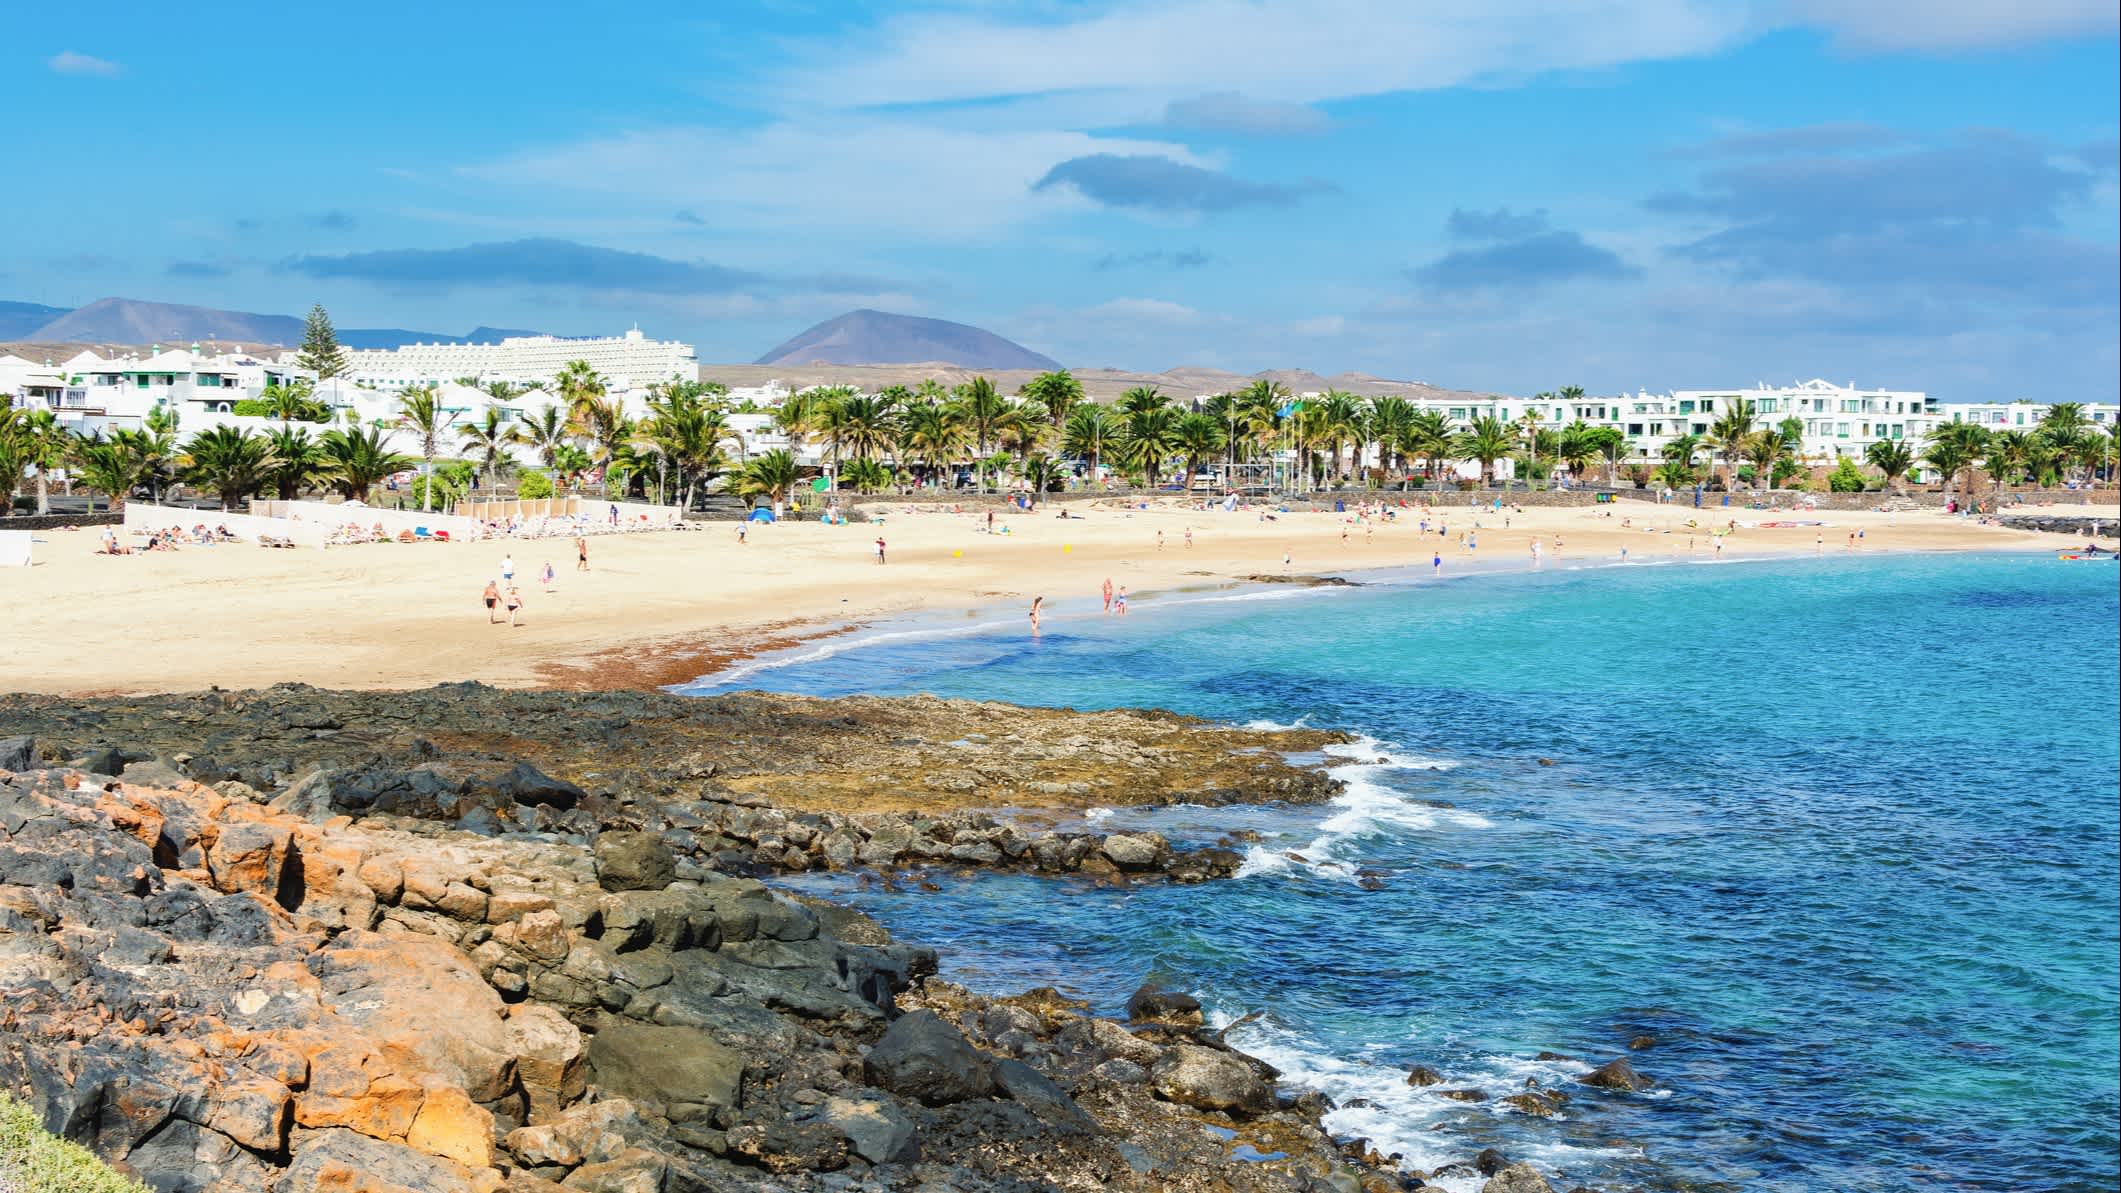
1839 835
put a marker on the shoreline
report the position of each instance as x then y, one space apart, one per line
663 608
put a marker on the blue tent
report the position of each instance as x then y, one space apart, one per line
761 514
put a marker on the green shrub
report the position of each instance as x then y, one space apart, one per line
533 486
34 1162
1846 477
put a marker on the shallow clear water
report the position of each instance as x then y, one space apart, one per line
1841 835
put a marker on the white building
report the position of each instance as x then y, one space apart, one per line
2025 416
629 362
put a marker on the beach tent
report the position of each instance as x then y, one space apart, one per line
14 548
761 514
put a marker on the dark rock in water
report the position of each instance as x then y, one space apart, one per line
1490 1162
1517 1178
1640 1043
1154 1004
1553 1056
1463 1095
1423 1075
18 753
924 1058
1617 1074
634 862
1546 762
1209 1079
1535 1105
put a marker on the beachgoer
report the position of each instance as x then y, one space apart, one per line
743 527
1623 553
1159 539
1036 602
492 598
1436 563
1108 594
1285 561
614 515
581 554
1189 538
880 548
515 603
548 575
1119 602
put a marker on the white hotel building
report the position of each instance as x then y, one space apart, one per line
628 362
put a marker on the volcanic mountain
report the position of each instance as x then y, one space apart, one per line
868 337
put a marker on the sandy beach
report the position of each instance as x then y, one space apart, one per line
665 607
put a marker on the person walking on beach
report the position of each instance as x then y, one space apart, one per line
1159 539
547 575
1436 564
581 554
1108 594
1189 538
1036 603
508 569
1119 603
492 597
880 548
743 528
515 603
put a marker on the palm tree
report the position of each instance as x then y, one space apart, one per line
1680 452
503 392
105 467
685 429
488 441
1198 435
1613 446
1057 392
1952 449
289 401
14 457
420 411
983 410
866 475
1528 424
772 475
543 433
1142 397
1341 421
233 462
2009 452
358 459
933 435
2063 420
298 461
1149 437
1089 429
1891 457
1387 423
866 426
1428 438
1768 448
156 445
46 446
1038 471
1729 434
1576 447
1487 441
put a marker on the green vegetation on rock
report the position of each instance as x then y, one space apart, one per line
34 1162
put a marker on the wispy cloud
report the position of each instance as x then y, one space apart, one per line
1153 259
555 263
1499 224
195 270
1151 182
1831 137
334 220
1232 112
1525 263
70 62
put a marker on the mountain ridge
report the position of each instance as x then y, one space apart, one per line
137 321
872 337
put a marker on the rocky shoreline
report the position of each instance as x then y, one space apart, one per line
470 940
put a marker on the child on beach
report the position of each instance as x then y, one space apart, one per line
1119 603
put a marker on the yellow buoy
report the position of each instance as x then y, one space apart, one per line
1065 548
957 555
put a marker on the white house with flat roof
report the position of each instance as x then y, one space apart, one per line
2025 415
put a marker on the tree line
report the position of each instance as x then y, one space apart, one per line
932 434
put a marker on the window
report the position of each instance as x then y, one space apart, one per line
1458 413
1634 428
1687 407
1841 430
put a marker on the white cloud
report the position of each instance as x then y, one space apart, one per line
1956 24
835 172
1146 310
1291 51
68 62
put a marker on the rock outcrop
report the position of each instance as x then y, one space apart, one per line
253 942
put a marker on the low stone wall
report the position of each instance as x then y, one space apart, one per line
62 521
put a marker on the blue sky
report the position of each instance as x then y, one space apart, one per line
1477 193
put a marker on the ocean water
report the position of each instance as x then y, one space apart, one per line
1839 835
